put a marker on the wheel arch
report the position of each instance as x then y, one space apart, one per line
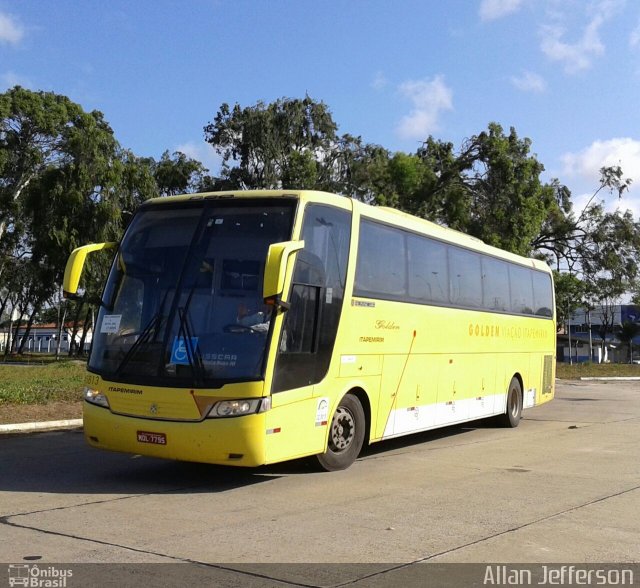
363 397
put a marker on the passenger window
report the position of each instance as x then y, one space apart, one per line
465 278
521 290
381 268
542 294
495 284
428 272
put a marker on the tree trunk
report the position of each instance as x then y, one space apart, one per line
85 328
74 330
20 187
14 338
3 304
28 329
59 328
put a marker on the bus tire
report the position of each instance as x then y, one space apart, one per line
346 435
511 418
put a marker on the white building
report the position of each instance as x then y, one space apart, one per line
43 338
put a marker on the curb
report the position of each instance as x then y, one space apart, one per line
611 378
41 426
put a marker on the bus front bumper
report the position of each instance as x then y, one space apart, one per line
238 441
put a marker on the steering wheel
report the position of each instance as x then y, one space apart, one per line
235 328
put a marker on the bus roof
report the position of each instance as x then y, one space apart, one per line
380 213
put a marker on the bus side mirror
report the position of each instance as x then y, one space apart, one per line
279 257
75 264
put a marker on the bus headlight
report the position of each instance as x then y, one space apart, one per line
95 397
234 408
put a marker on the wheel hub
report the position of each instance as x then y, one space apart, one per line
342 429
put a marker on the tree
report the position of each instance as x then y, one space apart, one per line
490 189
177 174
137 182
261 144
59 178
64 181
289 143
609 256
570 293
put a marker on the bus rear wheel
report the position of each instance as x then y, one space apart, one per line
346 435
511 418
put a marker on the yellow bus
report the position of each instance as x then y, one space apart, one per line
254 327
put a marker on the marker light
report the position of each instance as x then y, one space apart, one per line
95 397
234 408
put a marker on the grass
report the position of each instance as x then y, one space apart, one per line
60 381
34 358
564 371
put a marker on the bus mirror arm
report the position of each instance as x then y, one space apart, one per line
279 263
277 303
75 265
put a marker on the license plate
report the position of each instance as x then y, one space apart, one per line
156 438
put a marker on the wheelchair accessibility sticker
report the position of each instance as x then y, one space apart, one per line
179 353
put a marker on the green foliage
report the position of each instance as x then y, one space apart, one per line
491 189
177 174
570 295
264 144
60 177
290 143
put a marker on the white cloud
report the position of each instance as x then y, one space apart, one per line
204 153
430 98
11 31
494 9
577 56
379 81
584 166
10 79
529 82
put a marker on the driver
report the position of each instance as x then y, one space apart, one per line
256 320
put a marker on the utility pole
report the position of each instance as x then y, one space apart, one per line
569 333
590 340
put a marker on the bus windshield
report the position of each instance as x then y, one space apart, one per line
183 302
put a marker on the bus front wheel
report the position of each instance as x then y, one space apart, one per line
511 417
346 435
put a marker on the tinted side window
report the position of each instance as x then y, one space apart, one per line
300 335
521 290
311 324
465 278
542 294
495 284
381 266
428 271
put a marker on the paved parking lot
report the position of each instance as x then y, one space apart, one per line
562 487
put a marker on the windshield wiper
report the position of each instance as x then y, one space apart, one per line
152 327
194 356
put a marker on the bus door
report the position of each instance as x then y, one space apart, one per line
299 412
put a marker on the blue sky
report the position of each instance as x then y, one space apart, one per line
565 73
